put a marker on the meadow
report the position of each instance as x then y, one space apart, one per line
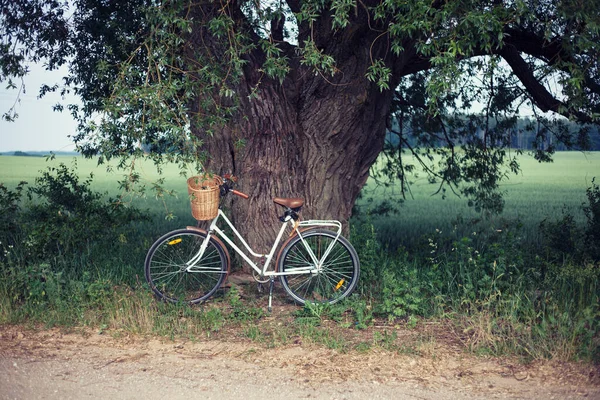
69 257
541 191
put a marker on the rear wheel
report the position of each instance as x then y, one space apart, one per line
333 280
175 275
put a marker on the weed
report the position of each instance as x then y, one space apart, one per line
10 231
592 214
402 294
311 314
253 333
70 257
239 311
322 336
317 310
385 339
362 347
279 337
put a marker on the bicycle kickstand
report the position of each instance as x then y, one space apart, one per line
271 284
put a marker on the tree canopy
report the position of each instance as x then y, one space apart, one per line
184 79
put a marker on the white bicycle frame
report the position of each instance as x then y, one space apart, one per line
317 263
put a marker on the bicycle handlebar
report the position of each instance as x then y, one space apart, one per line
241 194
227 186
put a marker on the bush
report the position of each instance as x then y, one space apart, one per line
45 244
67 218
397 286
9 219
564 240
592 230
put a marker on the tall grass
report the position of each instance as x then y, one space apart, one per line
500 298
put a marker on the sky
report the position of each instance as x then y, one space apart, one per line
38 127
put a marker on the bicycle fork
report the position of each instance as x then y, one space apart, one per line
195 259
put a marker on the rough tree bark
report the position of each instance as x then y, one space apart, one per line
303 142
311 136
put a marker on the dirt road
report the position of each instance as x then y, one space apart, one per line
51 364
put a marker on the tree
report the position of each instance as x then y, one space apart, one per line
296 97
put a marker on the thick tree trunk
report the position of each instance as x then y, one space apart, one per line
317 143
307 137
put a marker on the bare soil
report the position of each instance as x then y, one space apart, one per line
57 364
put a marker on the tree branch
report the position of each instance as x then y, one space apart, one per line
552 52
294 5
539 94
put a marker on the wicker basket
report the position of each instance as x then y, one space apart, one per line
204 196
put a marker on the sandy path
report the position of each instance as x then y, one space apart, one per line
55 365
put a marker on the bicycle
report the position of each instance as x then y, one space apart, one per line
314 264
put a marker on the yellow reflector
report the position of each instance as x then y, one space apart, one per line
339 285
174 241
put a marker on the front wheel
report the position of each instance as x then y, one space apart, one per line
175 272
329 280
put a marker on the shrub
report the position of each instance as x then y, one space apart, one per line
592 213
402 294
44 243
397 286
9 218
67 217
561 238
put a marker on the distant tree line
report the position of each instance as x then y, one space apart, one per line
19 153
530 134
24 154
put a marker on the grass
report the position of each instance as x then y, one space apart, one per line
540 191
437 260
15 169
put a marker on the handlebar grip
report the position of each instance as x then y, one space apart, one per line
238 193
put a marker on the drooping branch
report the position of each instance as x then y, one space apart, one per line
540 95
551 51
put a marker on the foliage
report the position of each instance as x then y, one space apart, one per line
402 295
565 239
9 217
240 311
504 298
592 213
45 243
67 217
498 293
398 288
561 237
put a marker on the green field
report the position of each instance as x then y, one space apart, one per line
541 191
105 180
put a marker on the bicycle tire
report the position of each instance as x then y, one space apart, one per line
166 267
333 282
